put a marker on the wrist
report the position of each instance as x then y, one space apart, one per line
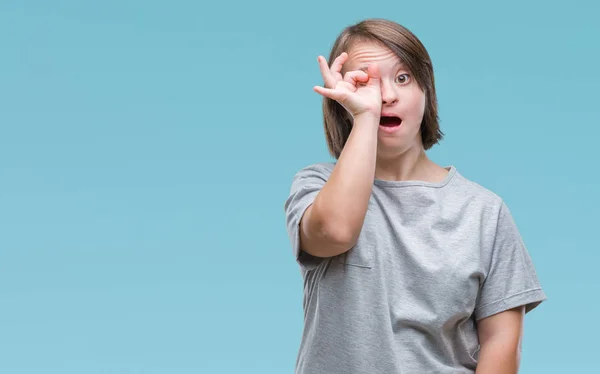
367 117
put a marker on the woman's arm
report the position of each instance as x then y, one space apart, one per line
332 224
500 337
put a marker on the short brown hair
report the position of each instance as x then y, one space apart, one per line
411 51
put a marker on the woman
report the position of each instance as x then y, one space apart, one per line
408 266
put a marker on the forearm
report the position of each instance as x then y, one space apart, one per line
343 200
499 356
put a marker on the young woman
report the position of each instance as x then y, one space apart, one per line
408 266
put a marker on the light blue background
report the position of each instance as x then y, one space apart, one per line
147 149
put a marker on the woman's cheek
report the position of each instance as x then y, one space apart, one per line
419 103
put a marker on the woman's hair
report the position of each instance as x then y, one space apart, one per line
411 51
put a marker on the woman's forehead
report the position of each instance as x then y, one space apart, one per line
362 54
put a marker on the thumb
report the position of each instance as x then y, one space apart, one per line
373 72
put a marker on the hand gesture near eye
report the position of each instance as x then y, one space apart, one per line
357 91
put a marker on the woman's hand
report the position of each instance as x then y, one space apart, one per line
357 91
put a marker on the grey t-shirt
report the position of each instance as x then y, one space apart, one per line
431 260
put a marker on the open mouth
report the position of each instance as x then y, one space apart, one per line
390 121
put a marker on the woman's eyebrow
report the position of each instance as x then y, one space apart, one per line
399 65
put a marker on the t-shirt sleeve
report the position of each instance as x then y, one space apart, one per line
305 186
511 279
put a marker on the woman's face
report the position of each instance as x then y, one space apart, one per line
400 93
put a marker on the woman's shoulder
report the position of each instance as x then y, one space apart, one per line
318 169
474 190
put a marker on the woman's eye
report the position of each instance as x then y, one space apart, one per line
403 78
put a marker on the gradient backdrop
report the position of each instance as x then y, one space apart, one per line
147 149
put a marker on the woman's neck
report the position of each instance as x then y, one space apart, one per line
410 165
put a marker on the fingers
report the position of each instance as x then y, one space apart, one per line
328 92
336 67
326 73
350 82
334 81
332 75
374 75
356 77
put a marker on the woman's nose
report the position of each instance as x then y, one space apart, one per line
388 94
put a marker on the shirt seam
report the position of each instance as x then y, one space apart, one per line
384 183
508 297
